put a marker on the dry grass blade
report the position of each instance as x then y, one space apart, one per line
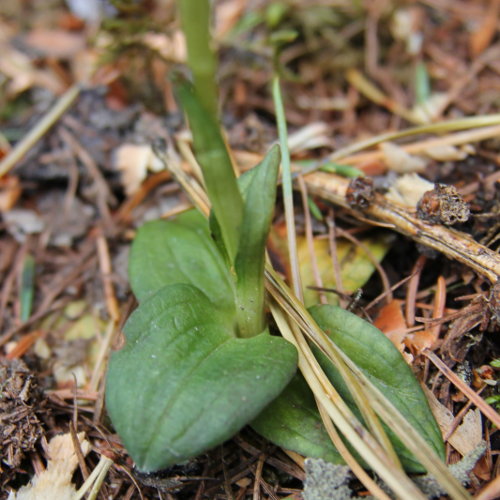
191 186
347 423
287 188
442 127
384 408
37 132
456 139
410 437
350 460
93 483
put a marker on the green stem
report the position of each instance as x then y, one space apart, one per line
195 20
200 104
287 188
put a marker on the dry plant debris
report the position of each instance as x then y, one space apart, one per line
73 192
55 480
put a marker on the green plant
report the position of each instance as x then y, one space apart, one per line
199 362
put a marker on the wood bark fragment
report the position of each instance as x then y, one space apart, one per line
452 243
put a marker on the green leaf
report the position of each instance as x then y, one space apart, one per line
260 197
183 384
180 251
377 357
292 421
218 173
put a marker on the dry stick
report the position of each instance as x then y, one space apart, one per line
77 448
227 485
439 305
106 273
484 407
134 200
369 90
490 55
131 477
41 128
454 244
488 181
258 477
411 294
9 282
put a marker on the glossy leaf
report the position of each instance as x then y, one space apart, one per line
259 192
180 251
183 384
377 357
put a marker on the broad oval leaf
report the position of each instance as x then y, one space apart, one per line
180 251
183 384
377 357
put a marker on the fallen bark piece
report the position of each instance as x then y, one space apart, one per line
454 244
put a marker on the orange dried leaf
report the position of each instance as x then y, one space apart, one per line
391 322
419 341
10 191
482 36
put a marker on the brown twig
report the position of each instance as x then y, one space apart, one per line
438 306
411 294
258 476
487 410
454 244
